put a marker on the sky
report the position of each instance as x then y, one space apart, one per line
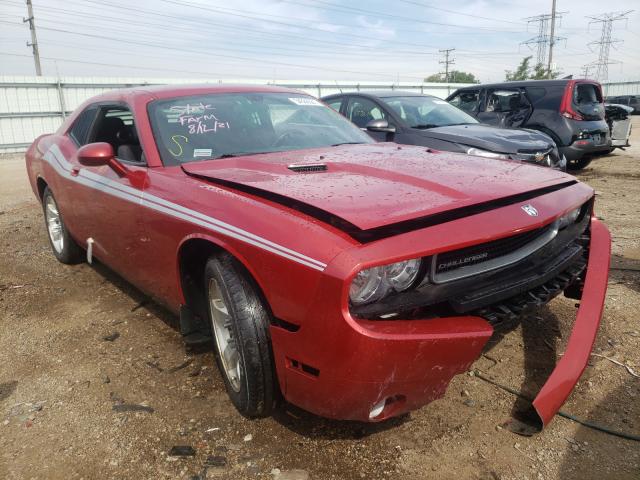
323 40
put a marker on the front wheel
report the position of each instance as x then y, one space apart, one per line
65 248
579 163
240 326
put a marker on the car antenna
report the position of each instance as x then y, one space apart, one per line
336 82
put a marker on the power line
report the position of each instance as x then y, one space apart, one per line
276 22
135 67
373 13
454 12
34 40
139 23
235 57
604 44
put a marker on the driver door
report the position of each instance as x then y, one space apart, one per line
361 111
109 204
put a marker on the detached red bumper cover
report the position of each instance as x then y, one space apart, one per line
568 370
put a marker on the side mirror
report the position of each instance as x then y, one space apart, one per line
99 154
380 126
96 154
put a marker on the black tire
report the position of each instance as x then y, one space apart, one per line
256 387
578 163
68 251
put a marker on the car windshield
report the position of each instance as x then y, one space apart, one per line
428 112
209 126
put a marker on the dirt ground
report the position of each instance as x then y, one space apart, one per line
60 380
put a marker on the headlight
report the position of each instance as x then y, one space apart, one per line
562 163
486 153
568 218
367 286
401 275
374 283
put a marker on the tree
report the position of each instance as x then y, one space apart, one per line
455 76
525 72
521 73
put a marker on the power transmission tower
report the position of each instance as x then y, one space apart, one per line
545 41
34 39
446 62
604 44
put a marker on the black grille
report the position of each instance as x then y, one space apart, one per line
482 252
504 314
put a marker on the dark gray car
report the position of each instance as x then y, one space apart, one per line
569 111
416 119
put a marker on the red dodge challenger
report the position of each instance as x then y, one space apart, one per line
353 278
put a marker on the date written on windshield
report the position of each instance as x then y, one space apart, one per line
199 118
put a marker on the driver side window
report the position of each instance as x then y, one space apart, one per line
504 101
467 101
362 110
115 125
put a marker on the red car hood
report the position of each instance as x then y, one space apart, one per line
374 185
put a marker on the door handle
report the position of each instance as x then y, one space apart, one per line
75 171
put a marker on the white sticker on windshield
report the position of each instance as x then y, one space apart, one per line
441 102
202 152
306 101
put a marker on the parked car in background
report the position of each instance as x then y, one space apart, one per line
569 111
353 278
632 101
415 119
619 121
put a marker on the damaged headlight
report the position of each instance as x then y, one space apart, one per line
478 152
568 218
374 283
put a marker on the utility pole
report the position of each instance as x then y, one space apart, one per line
552 38
446 62
34 39
604 44
545 37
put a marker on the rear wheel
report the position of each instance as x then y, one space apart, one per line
240 326
65 248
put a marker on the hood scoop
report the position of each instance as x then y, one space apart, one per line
308 167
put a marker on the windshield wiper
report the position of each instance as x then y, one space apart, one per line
424 126
346 143
237 154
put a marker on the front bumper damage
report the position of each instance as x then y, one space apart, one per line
346 368
570 367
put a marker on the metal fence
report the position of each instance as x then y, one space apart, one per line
32 106
621 88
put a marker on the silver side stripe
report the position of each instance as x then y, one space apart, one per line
90 179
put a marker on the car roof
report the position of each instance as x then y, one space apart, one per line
169 91
527 83
380 94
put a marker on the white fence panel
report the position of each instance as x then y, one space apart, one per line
621 88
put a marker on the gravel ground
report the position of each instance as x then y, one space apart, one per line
95 382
